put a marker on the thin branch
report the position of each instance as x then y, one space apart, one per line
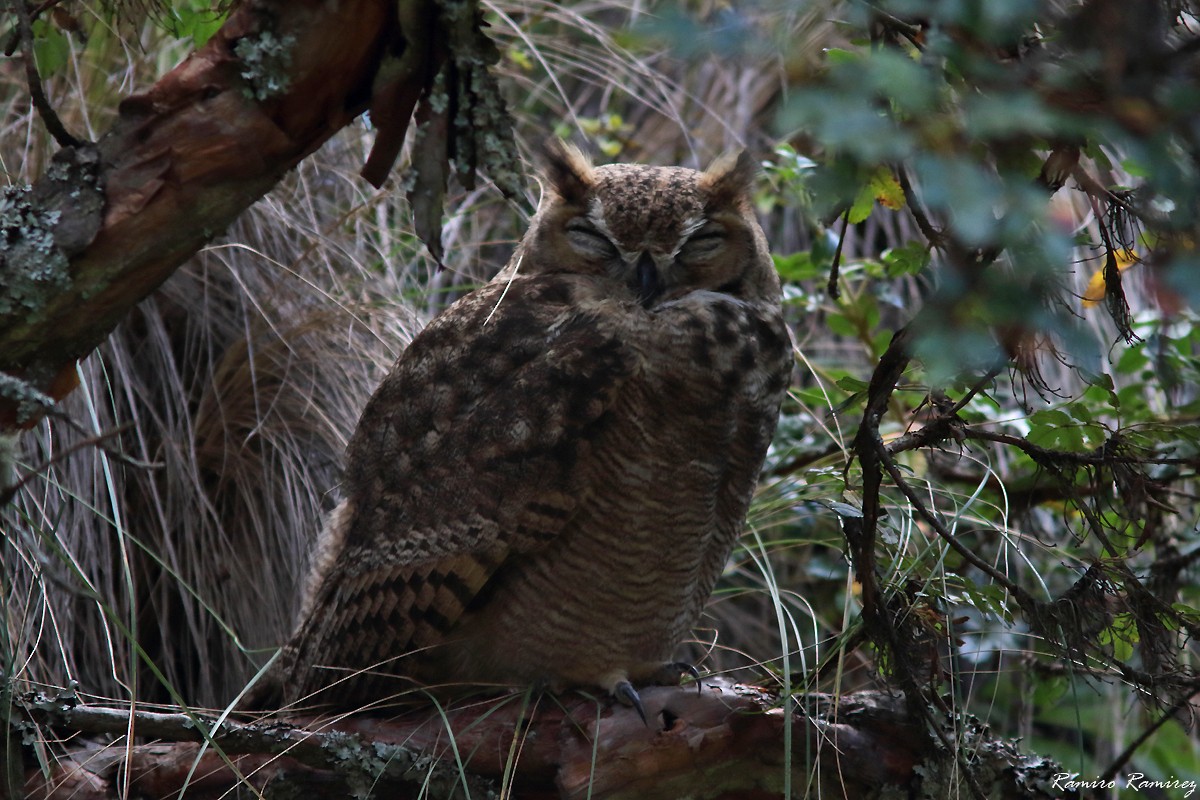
571 748
1043 455
932 235
14 40
974 390
860 533
912 32
831 288
98 441
36 93
344 753
807 458
946 423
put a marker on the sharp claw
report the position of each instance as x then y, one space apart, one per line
690 669
683 667
625 692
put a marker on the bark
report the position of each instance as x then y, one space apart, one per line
725 741
183 159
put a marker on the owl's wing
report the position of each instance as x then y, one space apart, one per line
464 458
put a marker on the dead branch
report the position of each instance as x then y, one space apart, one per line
724 741
721 742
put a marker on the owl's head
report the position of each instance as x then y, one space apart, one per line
659 231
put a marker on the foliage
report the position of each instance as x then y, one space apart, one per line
1018 492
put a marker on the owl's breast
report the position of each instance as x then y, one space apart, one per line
662 492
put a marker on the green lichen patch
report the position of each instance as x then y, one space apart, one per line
996 766
30 402
266 59
482 125
32 268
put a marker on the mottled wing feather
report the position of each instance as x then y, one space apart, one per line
463 459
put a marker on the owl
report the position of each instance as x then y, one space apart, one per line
547 485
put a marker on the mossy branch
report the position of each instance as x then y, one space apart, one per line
725 741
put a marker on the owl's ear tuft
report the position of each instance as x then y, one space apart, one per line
567 170
730 178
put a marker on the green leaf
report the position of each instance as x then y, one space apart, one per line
852 384
861 208
887 189
196 19
907 259
50 48
841 325
1080 411
1050 691
1121 636
812 397
799 266
1133 360
1046 427
1049 417
837 55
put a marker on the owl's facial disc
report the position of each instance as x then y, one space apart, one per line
695 250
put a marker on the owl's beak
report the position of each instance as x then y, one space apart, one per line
647 278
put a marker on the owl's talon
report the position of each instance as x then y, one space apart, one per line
690 669
625 693
669 674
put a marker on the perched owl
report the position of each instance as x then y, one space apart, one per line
547 485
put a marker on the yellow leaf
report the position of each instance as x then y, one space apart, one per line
882 187
1093 295
887 189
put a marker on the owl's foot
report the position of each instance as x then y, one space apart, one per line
668 674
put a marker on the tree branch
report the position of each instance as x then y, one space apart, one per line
182 160
36 93
1043 455
726 741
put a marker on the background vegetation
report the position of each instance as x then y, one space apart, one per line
984 485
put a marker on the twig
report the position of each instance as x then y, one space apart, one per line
926 226
860 533
1043 455
938 428
831 288
910 31
36 93
806 458
15 38
349 755
7 493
